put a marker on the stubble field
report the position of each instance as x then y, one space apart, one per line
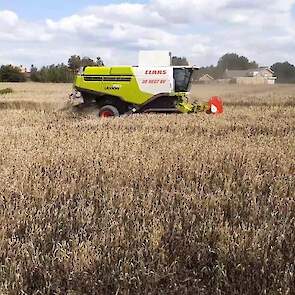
148 204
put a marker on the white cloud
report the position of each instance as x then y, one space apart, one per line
8 19
199 29
16 31
75 23
138 14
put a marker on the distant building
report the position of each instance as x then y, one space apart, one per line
206 79
262 75
25 71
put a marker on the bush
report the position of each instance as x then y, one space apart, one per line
9 73
5 91
52 74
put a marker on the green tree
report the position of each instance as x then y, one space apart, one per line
87 61
232 61
34 74
285 72
99 62
74 63
9 73
179 61
54 74
213 71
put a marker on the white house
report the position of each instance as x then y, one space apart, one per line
262 75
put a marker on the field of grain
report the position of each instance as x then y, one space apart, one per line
148 204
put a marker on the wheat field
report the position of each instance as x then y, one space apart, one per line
147 204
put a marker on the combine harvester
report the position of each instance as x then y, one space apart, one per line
155 86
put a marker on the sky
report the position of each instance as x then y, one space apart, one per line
47 32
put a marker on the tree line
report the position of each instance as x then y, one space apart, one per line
229 61
284 71
59 73
62 73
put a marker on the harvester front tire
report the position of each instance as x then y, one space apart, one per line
108 111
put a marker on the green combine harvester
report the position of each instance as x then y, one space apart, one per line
125 90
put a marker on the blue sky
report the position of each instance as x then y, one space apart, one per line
37 10
46 32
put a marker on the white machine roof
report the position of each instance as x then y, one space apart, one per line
154 58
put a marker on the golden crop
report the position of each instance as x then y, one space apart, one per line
147 204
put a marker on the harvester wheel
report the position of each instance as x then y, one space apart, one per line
108 111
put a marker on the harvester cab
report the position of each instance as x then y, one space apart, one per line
155 86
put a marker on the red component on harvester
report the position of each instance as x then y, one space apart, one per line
215 105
